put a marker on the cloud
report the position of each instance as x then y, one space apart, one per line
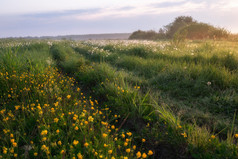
58 14
168 4
150 9
225 5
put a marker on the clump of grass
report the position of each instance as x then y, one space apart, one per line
60 52
93 75
73 64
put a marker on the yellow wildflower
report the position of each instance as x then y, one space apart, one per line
109 151
129 133
138 154
104 135
44 139
150 153
80 156
86 144
62 152
90 118
144 155
184 135
44 148
105 145
11 135
14 144
56 120
75 142
44 132
125 144
236 135
12 150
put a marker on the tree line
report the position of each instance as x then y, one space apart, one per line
183 27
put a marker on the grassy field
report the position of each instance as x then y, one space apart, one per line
118 99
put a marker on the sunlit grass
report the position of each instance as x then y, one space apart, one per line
118 99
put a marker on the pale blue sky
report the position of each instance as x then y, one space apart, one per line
62 17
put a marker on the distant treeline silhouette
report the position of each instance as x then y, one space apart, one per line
183 27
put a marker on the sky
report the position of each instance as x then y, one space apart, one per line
20 18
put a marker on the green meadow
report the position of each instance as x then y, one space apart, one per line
118 99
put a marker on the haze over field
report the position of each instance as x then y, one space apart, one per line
61 17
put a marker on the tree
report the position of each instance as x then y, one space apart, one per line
144 35
177 24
